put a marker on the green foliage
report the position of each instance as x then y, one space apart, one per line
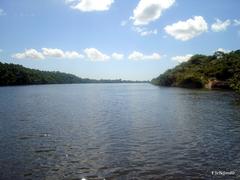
12 74
191 82
235 82
200 69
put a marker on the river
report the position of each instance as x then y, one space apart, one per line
118 131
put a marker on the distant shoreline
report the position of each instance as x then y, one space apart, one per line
17 85
15 75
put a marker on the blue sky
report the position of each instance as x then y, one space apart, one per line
111 39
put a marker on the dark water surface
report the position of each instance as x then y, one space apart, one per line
117 131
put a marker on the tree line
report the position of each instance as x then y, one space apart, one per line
14 74
201 69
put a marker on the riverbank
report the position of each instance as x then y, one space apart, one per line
217 71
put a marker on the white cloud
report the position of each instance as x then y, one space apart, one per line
2 12
149 10
181 59
95 55
117 56
236 22
29 54
144 31
50 52
220 25
73 55
223 50
90 5
58 53
136 56
186 30
1 50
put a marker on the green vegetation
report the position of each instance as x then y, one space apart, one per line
220 70
12 74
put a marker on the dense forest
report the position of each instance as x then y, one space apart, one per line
12 74
220 70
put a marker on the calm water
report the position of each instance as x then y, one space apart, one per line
117 131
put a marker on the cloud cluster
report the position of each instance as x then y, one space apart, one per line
181 59
149 10
95 55
91 54
47 52
50 52
136 56
29 54
186 30
58 53
220 25
90 5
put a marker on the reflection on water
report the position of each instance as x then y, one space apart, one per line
117 131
